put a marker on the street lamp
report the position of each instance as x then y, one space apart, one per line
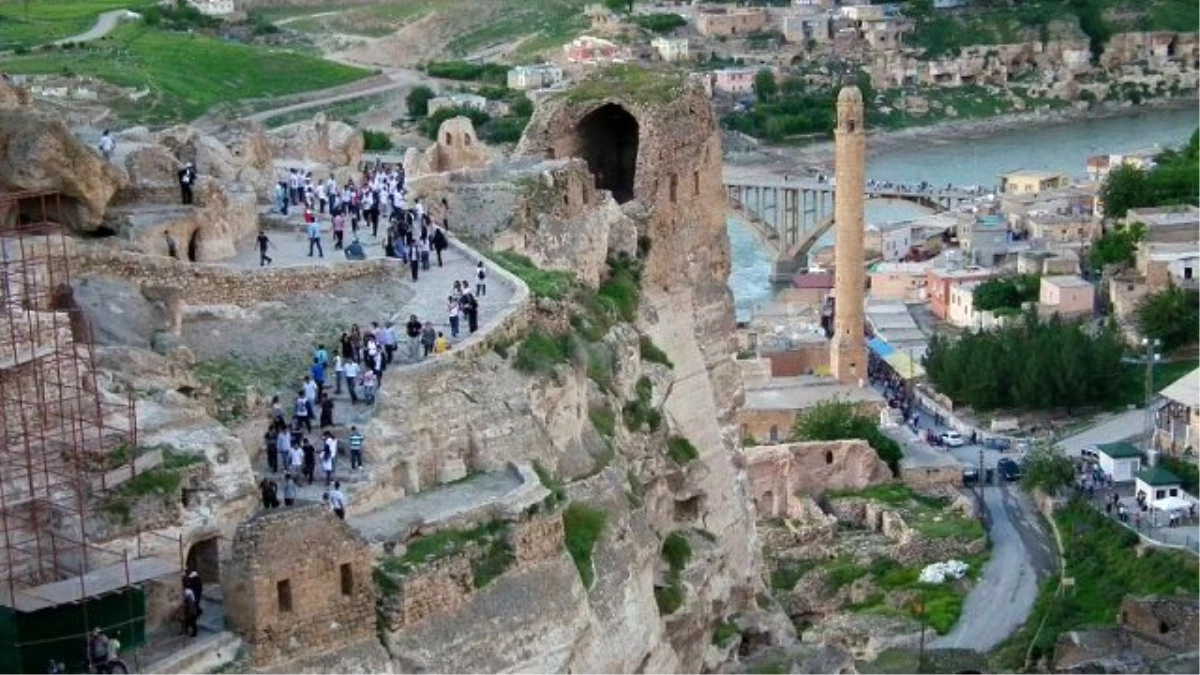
1151 356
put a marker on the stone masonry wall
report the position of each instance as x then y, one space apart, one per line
299 583
216 284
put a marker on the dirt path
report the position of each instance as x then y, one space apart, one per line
104 25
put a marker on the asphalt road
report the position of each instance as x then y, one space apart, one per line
1022 555
103 26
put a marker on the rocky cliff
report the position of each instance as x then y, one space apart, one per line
650 442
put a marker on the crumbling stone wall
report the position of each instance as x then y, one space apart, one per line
456 148
298 584
1168 621
439 586
778 472
216 284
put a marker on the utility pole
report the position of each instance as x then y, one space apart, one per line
1151 357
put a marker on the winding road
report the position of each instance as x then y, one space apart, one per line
104 25
1021 556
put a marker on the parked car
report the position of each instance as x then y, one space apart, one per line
1024 445
1090 454
952 439
970 474
1009 469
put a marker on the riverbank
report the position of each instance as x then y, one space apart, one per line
818 155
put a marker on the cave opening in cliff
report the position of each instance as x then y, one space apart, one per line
193 247
609 143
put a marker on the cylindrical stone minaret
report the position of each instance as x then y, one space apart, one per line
848 353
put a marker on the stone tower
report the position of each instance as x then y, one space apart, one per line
848 355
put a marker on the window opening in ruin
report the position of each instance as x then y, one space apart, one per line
193 246
449 139
774 435
609 143
849 125
689 509
674 188
204 557
566 199
1163 628
696 183
347 579
549 153
283 595
829 457
466 139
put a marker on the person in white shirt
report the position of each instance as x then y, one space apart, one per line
107 145
351 371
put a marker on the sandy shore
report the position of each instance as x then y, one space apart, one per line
818 156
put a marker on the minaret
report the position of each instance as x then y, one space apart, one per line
848 354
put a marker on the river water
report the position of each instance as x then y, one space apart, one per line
1061 147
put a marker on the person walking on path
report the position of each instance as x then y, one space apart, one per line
339 370
480 280
352 371
452 310
339 231
314 239
337 501
428 338
310 460
107 145
289 490
300 412
326 411
414 262
413 330
369 382
389 342
263 243
327 460
440 243
187 180
470 308
355 442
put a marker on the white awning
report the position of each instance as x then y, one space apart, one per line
1185 390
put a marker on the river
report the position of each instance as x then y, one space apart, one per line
979 161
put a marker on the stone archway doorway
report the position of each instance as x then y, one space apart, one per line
609 143
204 556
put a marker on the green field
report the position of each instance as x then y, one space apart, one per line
186 74
543 24
27 24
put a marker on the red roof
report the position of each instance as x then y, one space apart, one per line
819 280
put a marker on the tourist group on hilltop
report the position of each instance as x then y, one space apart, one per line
355 365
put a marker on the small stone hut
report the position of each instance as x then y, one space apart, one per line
299 584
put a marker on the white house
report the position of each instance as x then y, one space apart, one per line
1163 489
962 313
459 100
1121 460
534 77
671 49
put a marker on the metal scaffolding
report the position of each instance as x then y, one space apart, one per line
61 441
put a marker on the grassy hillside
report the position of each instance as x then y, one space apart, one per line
473 25
186 74
34 22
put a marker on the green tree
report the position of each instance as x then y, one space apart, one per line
1172 316
1006 293
1125 187
418 101
1116 247
765 87
620 5
1032 364
840 420
1047 469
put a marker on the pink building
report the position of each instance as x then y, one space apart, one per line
734 81
899 281
1067 296
588 49
938 282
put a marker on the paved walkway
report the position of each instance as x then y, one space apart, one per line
441 503
105 23
428 302
1120 427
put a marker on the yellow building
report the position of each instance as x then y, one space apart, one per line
1025 182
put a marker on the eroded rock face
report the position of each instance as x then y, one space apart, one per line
42 155
12 96
480 412
319 141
